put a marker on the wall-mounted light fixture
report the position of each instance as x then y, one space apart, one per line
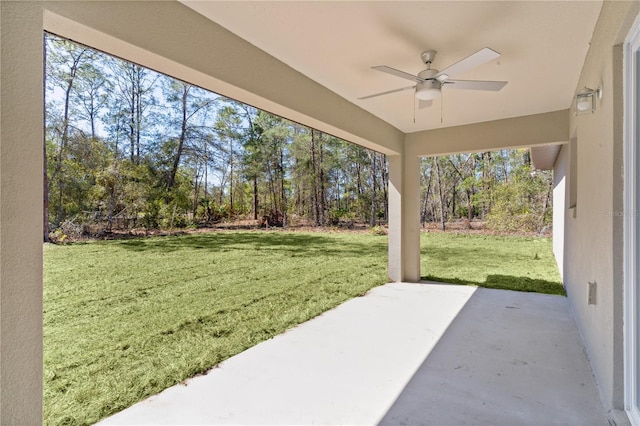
586 100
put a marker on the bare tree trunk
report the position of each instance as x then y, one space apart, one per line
132 124
427 194
486 182
545 205
283 195
112 200
470 193
45 177
372 220
138 112
323 197
255 176
385 187
206 170
470 208
45 197
454 192
183 136
230 177
503 163
440 193
359 178
255 197
196 191
92 119
274 204
314 166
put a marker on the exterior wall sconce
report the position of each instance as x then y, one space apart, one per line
586 100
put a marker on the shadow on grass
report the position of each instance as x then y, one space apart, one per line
295 244
507 282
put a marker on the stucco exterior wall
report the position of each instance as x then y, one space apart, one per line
543 129
593 239
21 161
404 219
560 178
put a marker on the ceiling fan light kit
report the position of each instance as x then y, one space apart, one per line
429 82
428 90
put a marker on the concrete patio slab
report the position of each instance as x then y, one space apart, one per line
402 354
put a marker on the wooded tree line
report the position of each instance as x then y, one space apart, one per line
127 147
499 187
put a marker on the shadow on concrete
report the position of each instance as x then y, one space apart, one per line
508 358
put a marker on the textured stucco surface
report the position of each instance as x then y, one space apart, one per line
404 219
531 130
594 237
21 163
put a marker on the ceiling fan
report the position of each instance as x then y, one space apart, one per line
429 82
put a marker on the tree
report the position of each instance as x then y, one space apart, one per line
188 102
275 142
64 61
500 187
131 104
230 133
251 156
441 192
125 145
91 94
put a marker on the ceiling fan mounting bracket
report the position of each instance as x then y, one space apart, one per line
428 56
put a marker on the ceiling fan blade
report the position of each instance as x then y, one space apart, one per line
398 73
475 85
482 56
424 104
387 92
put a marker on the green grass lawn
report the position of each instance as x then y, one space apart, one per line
126 319
504 262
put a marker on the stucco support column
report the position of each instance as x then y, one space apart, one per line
21 231
404 218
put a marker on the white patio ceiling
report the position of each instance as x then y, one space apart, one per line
543 46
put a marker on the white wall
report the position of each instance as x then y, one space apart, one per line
593 239
560 178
